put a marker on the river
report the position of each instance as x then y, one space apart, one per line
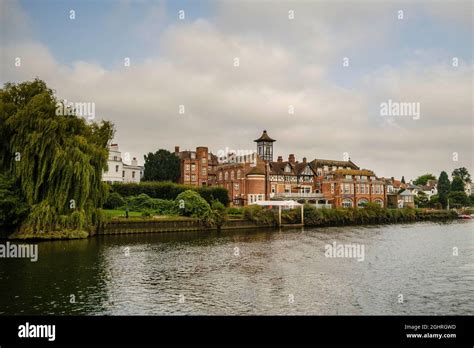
407 269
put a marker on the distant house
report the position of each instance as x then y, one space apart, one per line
393 186
468 188
401 200
118 170
412 188
430 190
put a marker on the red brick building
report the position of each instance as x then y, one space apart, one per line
256 177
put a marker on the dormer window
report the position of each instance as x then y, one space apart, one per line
287 169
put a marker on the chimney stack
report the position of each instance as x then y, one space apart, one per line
176 149
304 159
291 158
280 159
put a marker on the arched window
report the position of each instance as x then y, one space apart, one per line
379 202
220 176
347 203
226 176
238 174
232 175
361 203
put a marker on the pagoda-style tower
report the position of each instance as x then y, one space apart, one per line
265 147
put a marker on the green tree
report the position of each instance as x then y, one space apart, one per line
161 166
423 179
421 200
56 160
462 173
444 187
458 199
13 209
457 184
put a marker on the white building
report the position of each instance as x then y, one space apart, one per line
118 170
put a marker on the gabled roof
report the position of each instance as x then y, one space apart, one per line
301 166
317 162
265 137
364 172
279 168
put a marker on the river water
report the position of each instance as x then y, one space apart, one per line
406 269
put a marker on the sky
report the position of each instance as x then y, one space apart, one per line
314 74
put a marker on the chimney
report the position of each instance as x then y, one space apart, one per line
291 158
176 149
280 159
134 161
393 179
304 159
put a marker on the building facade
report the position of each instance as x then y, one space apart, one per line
118 170
257 177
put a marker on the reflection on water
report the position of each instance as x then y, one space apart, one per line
248 272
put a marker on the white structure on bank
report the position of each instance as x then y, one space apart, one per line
118 170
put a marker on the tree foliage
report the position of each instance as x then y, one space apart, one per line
57 160
457 184
423 179
161 166
444 186
462 173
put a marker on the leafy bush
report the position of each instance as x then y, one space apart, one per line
114 201
190 203
235 211
219 213
169 191
259 215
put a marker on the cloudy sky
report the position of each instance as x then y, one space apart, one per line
332 62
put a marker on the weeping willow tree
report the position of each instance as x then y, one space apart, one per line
56 160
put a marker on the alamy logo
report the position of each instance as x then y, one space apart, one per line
10 250
393 108
83 109
37 331
355 251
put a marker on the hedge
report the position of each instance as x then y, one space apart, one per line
169 191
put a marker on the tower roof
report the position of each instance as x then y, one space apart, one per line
265 137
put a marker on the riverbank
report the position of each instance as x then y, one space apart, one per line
254 217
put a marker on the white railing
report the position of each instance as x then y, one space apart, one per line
296 195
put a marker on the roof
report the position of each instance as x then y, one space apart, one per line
256 171
279 168
365 172
407 193
265 137
317 162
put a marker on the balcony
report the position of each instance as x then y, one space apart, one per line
297 195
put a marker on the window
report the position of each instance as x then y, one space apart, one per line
232 175
236 186
357 188
287 169
361 203
332 188
193 177
186 167
362 187
204 171
346 188
287 188
116 168
379 202
193 167
186 177
115 158
203 160
133 175
346 203
226 176
273 189
220 176
348 177
238 174
123 173
193 155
